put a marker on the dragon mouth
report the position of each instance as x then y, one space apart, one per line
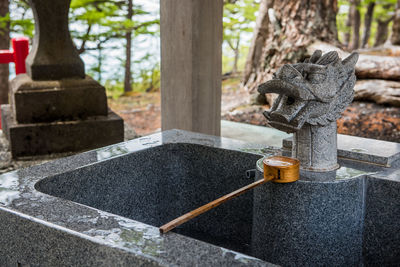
287 114
279 121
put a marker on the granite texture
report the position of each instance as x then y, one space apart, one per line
316 147
108 203
8 164
360 149
159 184
47 101
309 223
381 246
312 96
33 139
122 241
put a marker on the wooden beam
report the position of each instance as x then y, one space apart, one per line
191 62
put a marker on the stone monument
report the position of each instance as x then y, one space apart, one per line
55 107
312 96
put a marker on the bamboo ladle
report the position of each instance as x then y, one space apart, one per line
277 169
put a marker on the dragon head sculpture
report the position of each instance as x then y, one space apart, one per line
315 92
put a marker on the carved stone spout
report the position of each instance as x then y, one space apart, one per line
312 96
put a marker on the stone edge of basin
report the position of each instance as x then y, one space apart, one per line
361 149
171 249
59 215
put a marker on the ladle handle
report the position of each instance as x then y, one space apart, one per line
194 213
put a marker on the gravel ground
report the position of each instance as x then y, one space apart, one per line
362 119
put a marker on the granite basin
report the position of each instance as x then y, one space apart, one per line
104 207
157 185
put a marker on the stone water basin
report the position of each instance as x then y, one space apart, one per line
104 207
157 185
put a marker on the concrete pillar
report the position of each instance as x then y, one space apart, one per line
191 45
56 108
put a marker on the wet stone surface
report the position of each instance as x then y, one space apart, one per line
8 164
129 189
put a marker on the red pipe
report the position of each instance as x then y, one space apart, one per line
20 46
6 56
18 55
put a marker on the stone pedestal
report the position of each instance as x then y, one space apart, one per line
316 147
55 108
47 101
65 115
59 116
32 139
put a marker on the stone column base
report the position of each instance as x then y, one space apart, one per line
31 139
48 101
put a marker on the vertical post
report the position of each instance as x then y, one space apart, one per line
21 50
53 55
191 62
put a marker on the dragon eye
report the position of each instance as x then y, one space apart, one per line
289 101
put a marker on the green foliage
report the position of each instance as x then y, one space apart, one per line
228 56
239 20
384 9
104 21
21 21
106 24
114 88
97 27
341 17
146 80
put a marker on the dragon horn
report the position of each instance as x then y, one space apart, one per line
351 60
315 56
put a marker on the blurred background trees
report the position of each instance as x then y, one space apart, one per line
292 26
101 30
119 43
100 27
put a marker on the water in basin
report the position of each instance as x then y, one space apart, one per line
156 185
302 223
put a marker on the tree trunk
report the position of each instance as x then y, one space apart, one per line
382 29
4 44
99 62
294 26
378 91
395 38
128 37
368 66
378 67
260 34
236 51
355 31
367 24
347 34
382 32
